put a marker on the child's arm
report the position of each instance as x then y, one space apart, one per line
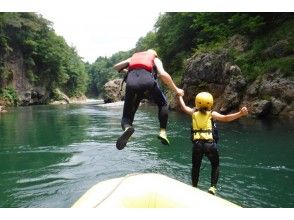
185 108
227 118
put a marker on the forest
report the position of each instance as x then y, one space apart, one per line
46 57
176 36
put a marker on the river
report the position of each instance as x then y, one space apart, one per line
51 155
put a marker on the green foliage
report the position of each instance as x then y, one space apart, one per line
175 35
179 35
213 47
147 42
253 68
9 94
117 57
6 74
47 57
100 72
254 62
195 33
245 24
285 65
75 75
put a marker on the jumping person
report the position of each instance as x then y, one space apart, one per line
142 70
202 135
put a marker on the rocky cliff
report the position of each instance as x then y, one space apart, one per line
271 94
27 92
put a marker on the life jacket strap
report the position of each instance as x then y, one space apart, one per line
123 81
202 131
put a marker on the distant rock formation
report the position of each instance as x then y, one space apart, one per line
113 92
28 94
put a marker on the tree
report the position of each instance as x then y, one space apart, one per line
47 57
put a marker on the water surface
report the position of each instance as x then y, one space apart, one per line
51 155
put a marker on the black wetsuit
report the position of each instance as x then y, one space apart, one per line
210 150
141 84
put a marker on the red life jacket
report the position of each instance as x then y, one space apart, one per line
142 60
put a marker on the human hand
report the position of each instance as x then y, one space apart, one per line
180 92
244 111
124 71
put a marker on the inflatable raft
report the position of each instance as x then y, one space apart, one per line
148 191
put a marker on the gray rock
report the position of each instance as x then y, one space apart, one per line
270 94
112 91
207 67
260 108
239 43
253 89
275 85
277 106
281 48
233 92
61 97
288 111
216 74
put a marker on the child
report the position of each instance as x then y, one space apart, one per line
202 134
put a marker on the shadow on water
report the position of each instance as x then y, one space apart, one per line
50 155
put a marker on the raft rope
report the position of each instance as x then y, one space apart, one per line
115 188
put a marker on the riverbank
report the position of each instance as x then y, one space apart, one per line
79 100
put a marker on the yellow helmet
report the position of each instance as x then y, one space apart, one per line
204 100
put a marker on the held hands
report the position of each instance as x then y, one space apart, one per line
180 92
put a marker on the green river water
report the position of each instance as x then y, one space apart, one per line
51 155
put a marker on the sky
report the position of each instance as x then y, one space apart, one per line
101 33
103 27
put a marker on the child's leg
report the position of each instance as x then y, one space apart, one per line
197 155
213 156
